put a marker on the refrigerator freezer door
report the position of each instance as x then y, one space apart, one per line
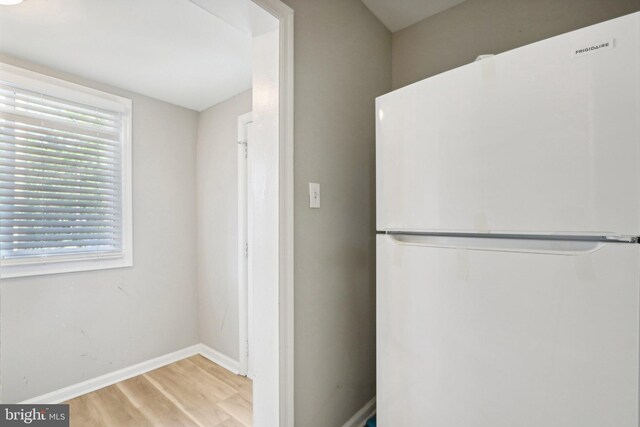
529 337
541 139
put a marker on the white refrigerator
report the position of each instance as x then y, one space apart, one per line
508 216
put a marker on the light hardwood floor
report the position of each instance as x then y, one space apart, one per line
190 392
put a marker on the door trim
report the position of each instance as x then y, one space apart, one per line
244 268
285 309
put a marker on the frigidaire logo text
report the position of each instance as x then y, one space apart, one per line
592 48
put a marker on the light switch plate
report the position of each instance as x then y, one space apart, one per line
314 195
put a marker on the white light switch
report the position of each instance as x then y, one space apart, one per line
314 195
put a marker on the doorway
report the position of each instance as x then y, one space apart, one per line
116 331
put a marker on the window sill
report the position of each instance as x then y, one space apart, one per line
15 269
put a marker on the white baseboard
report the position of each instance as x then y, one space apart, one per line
111 378
361 417
216 357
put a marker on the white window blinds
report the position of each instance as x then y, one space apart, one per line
60 176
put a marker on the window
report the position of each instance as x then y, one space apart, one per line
65 176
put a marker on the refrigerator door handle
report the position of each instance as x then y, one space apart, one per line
541 246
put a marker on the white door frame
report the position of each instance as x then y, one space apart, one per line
285 321
244 221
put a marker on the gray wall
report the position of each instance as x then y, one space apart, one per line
342 63
458 35
217 211
58 330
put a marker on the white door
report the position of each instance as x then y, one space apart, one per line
249 252
535 140
245 243
507 333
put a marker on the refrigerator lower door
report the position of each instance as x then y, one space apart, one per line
504 333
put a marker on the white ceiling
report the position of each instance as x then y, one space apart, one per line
399 14
190 53
245 15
